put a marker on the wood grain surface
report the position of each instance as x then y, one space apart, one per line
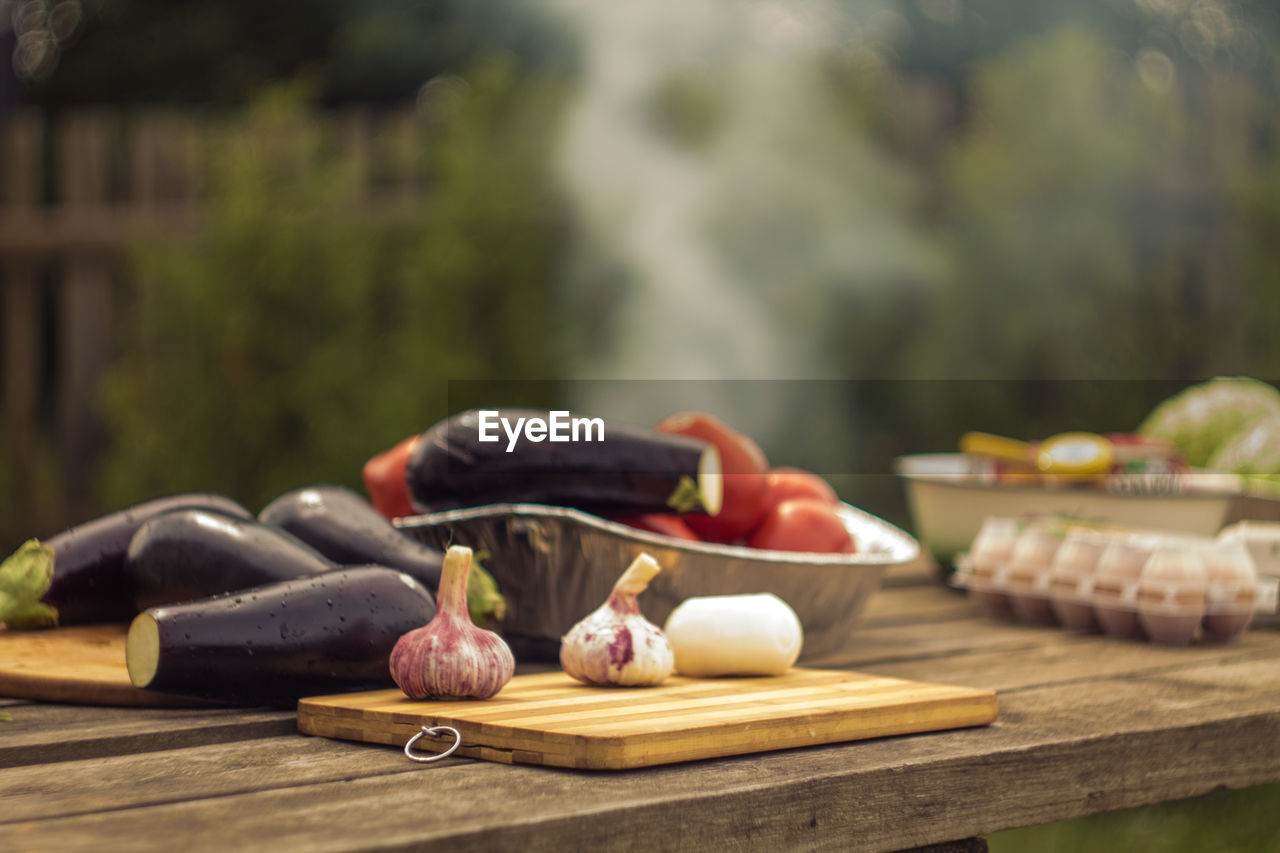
1087 724
551 719
83 664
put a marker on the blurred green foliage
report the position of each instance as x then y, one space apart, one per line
1066 147
1220 822
1029 193
221 52
1070 222
307 327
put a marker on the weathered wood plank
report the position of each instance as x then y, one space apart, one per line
22 169
20 188
1068 658
1057 752
1121 724
84 322
933 640
23 328
922 571
39 734
220 769
108 228
913 604
165 152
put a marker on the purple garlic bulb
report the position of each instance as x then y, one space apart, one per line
449 657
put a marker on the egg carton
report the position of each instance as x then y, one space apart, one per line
988 589
1159 610
1029 594
1071 600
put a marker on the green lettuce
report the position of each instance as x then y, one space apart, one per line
1204 419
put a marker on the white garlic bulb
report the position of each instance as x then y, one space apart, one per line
616 644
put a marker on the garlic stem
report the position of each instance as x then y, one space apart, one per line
451 597
637 576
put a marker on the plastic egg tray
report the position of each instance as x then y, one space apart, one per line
1127 583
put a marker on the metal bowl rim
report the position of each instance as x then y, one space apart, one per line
904 548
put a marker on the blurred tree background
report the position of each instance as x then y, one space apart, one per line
302 338
974 190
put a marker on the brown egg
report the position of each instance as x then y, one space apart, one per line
1173 592
1232 590
1071 578
1029 567
1115 584
988 559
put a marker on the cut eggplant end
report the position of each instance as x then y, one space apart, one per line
142 649
710 481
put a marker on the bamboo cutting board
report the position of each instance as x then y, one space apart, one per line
84 665
553 720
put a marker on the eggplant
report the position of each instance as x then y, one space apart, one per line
272 644
348 529
77 576
194 553
617 469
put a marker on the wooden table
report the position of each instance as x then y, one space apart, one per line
1086 725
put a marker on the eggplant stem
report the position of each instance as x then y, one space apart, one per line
24 578
686 497
485 603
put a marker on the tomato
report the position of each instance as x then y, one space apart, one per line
744 467
668 525
803 524
385 482
786 483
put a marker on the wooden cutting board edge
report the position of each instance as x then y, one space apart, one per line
83 665
342 717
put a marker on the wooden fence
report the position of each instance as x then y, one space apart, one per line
75 192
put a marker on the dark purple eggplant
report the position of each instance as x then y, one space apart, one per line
626 470
272 644
194 553
345 527
77 576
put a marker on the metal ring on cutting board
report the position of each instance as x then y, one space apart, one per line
433 731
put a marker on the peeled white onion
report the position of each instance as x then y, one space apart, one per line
756 634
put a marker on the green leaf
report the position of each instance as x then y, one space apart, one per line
24 579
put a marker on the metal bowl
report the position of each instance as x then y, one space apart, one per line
555 565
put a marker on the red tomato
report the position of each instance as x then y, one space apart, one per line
668 525
786 483
385 482
803 524
744 467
